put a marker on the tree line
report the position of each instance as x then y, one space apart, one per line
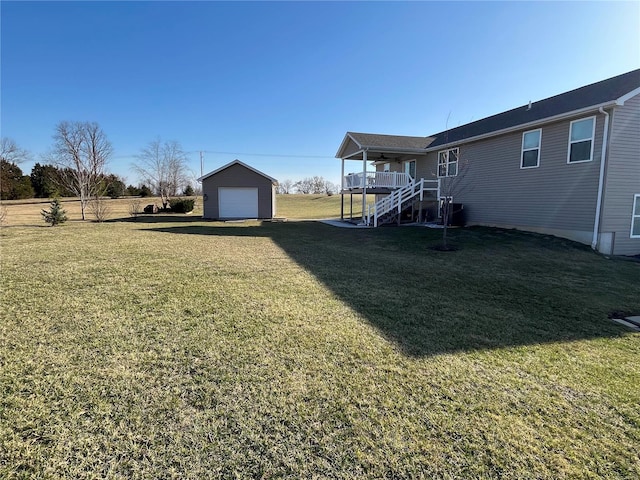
46 181
316 185
76 165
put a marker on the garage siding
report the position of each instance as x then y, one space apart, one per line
237 176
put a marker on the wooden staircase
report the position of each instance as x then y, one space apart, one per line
390 208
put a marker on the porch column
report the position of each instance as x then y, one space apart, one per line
342 192
364 184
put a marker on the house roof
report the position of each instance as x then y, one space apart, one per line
607 92
596 94
237 162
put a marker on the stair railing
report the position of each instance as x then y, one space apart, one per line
396 199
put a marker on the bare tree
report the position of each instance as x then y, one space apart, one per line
452 170
330 188
11 153
317 184
303 186
100 208
285 187
81 151
135 207
163 165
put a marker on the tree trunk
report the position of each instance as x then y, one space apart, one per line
445 222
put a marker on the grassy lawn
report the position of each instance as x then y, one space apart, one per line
297 206
317 206
170 347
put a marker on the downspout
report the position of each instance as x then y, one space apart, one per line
603 156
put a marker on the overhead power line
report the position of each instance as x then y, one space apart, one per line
281 155
284 155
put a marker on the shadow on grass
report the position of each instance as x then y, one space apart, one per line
502 288
159 218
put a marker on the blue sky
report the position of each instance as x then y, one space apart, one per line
277 84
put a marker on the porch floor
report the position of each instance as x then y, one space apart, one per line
370 190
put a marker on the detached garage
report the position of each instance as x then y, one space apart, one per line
237 191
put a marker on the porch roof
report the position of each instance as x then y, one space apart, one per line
354 142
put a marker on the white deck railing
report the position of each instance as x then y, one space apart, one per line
376 180
395 200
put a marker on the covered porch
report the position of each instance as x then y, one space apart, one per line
373 180
394 161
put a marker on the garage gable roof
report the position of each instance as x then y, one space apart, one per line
238 162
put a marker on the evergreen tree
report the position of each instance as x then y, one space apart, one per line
13 185
56 215
145 191
47 182
115 187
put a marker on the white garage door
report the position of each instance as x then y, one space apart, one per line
238 202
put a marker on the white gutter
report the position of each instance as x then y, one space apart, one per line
603 156
348 157
401 151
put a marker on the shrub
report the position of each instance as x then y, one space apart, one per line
181 205
100 209
55 215
134 208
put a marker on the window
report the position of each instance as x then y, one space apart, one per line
581 135
635 217
410 168
387 167
448 163
530 157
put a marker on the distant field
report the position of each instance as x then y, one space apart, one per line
172 347
317 206
27 212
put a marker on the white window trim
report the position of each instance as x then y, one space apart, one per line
539 147
386 167
593 140
447 163
634 217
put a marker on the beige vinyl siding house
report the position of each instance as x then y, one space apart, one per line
622 181
238 191
567 166
556 197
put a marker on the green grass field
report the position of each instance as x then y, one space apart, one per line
27 212
171 347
